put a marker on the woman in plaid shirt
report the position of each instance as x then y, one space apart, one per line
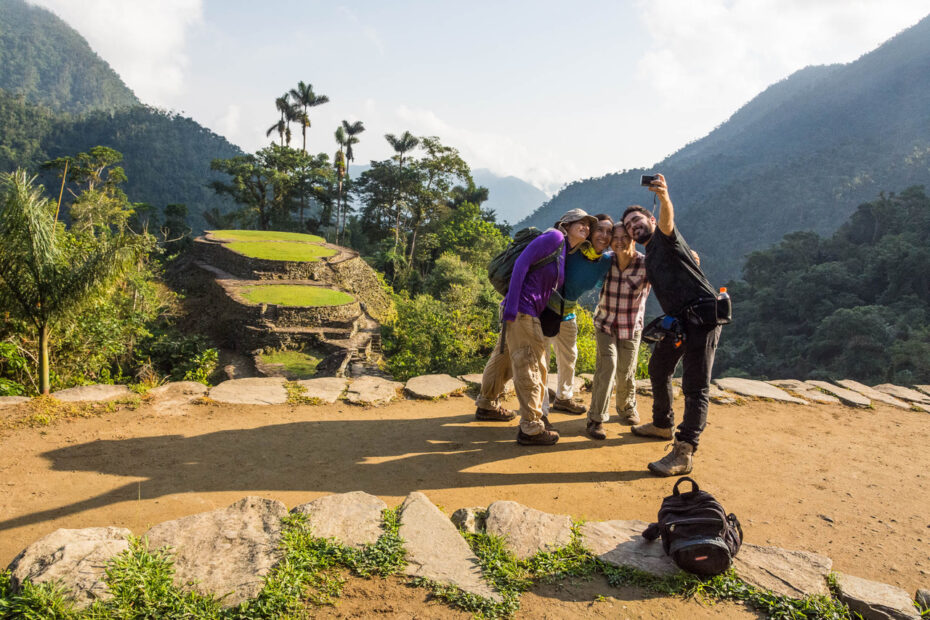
618 324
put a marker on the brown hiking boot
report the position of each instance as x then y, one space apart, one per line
545 438
494 415
651 430
547 423
629 418
595 430
568 405
678 462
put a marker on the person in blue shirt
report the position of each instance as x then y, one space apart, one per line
585 268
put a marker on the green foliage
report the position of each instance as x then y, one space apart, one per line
281 250
854 305
297 364
13 368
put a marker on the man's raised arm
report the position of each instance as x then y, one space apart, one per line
666 210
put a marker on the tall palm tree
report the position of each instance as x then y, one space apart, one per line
402 145
284 107
40 279
304 99
339 161
351 131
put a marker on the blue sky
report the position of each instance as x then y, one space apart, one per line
546 91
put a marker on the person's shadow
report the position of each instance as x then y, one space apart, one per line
386 457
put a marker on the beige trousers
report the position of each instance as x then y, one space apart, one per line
565 344
616 362
523 358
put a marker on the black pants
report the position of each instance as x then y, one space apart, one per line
698 351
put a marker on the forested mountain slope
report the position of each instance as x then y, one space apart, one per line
48 62
800 156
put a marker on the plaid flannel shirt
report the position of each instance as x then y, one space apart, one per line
622 304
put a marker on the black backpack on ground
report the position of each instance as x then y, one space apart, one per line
501 266
696 531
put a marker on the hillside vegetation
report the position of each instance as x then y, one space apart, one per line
854 305
800 156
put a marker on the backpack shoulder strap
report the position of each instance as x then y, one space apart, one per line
694 486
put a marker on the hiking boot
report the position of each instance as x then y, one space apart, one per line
545 438
630 418
494 415
568 405
651 430
547 423
595 430
675 463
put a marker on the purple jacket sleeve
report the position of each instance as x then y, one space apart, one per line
541 247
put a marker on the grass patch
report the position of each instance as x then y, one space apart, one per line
263 235
281 250
297 364
294 295
297 395
44 411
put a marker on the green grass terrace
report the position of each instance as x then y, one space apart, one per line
297 252
262 235
294 295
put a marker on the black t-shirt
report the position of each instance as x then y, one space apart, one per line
676 279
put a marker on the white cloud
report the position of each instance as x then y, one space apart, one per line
710 57
229 124
143 41
501 154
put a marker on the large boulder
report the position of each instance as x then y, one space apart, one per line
225 552
906 394
436 551
324 389
434 386
76 558
621 543
873 600
251 391
354 519
789 573
369 390
93 393
171 397
805 391
528 531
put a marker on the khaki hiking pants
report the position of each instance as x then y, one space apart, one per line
523 358
616 363
565 344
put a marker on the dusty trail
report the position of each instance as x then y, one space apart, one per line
850 484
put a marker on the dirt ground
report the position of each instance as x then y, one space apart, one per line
847 483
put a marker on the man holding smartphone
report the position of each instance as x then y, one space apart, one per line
679 285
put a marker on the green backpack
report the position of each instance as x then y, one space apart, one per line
501 266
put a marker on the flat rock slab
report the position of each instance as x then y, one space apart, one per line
251 391
921 406
720 397
325 389
226 551
171 397
13 400
805 391
475 380
370 390
903 393
93 393
644 387
868 392
77 558
874 600
621 543
436 550
434 386
847 397
354 519
789 573
757 389
923 388
528 531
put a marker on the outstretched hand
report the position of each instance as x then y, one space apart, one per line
659 187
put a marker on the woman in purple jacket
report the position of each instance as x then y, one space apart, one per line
521 348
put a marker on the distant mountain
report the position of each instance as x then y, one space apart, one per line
511 198
800 156
47 62
58 98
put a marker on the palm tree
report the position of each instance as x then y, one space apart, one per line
283 105
402 145
339 161
40 279
351 131
304 99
